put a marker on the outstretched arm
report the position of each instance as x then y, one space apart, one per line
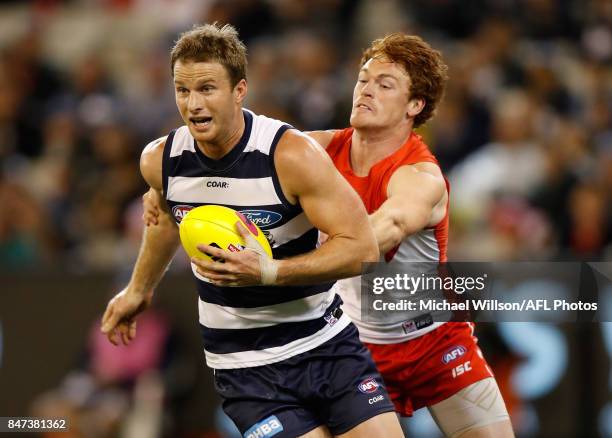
416 199
156 251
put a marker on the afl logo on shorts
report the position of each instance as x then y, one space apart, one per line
453 353
179 211
368 386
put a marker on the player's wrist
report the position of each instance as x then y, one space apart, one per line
138 291
269 270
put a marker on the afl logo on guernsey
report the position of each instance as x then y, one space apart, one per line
179 211
368 386
262 218
453 353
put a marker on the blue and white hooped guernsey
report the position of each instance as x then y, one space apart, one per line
251 326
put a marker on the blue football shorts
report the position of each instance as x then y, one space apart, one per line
335 384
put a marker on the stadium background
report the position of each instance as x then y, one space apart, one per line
524 133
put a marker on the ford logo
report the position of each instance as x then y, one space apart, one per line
262 218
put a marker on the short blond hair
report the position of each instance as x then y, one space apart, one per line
211 42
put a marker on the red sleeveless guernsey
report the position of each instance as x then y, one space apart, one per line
373 188
427 245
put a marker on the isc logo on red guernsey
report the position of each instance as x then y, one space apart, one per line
368 386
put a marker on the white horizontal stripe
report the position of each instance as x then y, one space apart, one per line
239 191
293 229
194 269
303 309
182 141
255 358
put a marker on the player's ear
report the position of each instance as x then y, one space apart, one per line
240 90
415 106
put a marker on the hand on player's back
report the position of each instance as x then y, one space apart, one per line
150 208
249 267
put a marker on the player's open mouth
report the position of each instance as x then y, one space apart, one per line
200 122
363 106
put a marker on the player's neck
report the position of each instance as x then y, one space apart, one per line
220 147
368 147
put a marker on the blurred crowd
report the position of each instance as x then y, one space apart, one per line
524 132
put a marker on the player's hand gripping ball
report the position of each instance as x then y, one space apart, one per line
215 225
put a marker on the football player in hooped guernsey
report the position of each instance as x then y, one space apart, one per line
287 361
424 363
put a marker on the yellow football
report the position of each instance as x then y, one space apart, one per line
215 225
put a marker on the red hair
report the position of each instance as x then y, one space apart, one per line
424 65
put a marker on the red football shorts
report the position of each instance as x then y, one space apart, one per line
426 370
